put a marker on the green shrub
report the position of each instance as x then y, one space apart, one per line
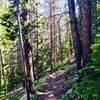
89 87
38 84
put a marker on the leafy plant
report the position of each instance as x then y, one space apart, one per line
39 85
88 88
64 97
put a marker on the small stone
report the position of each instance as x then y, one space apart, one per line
51 95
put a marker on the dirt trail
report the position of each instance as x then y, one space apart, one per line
53 86
56 84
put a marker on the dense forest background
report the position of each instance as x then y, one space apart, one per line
49 49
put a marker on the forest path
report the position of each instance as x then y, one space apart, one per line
56 84
53 86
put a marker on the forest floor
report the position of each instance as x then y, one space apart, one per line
57 84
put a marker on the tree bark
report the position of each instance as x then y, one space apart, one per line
0 78
2 66
22 49
86 30
2 71
51 35
37 44
75 33
93 18
60 42
12 69
29 66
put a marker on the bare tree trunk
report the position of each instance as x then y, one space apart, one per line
60 42
31 19
51 35
70 43
12 69
54 31
2 70
21 38
93 17
75 33
0 78
19 55
86 30
80 16
29 66
22 49
37 43
2 66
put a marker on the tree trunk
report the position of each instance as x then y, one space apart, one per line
29 66
93 17
2 66
70 43
60 42
12 69
75 33
22 48
86 30
0 77
20 38
37 45
2 71
12 66
80 16
51 35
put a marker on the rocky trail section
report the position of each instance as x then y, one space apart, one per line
57 84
